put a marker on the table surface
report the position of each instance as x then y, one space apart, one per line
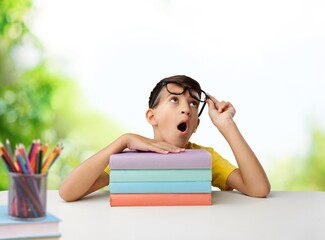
232 215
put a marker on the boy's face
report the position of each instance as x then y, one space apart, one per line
175 118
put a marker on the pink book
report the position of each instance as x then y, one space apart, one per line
190 158
160 199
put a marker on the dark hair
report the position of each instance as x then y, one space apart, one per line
185 80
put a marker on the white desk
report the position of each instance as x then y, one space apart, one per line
283 215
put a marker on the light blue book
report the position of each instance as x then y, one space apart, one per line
46 228
160 175
161 187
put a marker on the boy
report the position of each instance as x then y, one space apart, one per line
174 116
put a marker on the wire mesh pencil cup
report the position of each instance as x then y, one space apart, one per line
27 196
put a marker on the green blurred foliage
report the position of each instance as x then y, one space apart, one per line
302 173
37 102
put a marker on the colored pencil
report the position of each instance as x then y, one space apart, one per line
51 158
31 150
7 159
32 158
40 159
9 148
23 153
21 163
44 148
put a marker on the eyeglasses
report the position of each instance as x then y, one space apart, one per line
179 89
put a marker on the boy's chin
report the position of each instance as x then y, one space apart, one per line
181 143
177 140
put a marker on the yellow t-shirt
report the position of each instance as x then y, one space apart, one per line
221 168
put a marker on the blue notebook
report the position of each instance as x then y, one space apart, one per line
13 229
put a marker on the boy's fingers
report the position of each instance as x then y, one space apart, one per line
214 101
225 105
162 147
171 148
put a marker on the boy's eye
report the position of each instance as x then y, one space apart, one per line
194 104
173 99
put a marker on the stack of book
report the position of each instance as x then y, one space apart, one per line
153 179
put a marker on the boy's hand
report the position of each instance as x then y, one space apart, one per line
220 112
137 142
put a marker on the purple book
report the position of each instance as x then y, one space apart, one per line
190 158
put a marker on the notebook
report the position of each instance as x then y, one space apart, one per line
47 228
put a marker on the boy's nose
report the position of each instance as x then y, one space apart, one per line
185 107
186 112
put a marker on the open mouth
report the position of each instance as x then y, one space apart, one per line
182 127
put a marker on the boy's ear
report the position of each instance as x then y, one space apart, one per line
150 116
198 123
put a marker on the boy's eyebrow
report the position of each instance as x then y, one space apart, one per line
173 94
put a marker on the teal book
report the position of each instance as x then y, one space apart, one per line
47 228
160 175
161 187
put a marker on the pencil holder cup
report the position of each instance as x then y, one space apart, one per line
27 196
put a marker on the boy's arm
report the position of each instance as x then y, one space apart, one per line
250 177
89 176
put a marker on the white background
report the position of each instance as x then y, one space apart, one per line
266 57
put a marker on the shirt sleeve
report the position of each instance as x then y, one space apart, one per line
221 169
107 169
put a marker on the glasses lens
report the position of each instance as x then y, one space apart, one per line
175 88
198 95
